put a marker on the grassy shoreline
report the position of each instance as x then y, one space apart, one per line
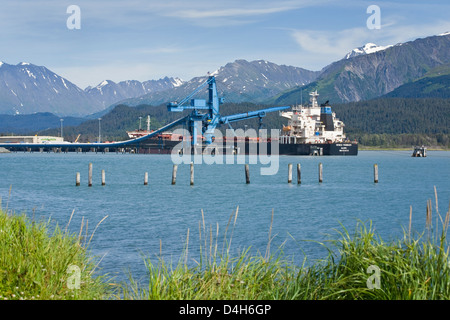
38 265
359 266
35 264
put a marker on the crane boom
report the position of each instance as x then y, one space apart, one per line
248 115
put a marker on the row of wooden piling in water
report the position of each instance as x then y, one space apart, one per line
299 173
247 174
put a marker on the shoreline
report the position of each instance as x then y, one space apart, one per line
362 148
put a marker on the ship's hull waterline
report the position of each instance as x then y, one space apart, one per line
295 149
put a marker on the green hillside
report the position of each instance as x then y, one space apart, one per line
396 115
397 122
432 86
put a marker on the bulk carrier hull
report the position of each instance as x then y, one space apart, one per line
325 149
298 149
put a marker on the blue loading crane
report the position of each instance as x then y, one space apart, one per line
211 119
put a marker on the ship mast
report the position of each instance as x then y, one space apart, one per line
313 99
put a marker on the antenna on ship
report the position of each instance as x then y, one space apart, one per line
314 96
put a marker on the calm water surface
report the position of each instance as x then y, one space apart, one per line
140 218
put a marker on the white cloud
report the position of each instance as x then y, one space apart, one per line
214 14
230 12
149 39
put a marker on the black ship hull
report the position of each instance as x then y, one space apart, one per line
325 149
167 146
297 149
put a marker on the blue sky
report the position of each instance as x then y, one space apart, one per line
143 40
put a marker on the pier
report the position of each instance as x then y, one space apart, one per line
131 146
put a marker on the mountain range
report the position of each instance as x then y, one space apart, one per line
26 88
109 92
364 73
238 81
370 75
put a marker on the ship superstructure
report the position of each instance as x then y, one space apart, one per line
312 123
140 132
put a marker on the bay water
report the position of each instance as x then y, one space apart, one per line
161 219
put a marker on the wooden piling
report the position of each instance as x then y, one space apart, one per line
77 180
375 173
145 178
103 178
90 175
192 173
289 172
174 174
247 174
299 174
320 172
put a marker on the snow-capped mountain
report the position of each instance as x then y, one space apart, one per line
27 88
238 81
366 49
254 81
109 92
371 75
366 72
260 78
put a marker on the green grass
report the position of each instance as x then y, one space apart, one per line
35 264
217 275
360 265
415 267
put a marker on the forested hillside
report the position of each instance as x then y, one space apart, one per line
397 122
428 87
396 115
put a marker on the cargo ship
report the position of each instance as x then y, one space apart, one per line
312 129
